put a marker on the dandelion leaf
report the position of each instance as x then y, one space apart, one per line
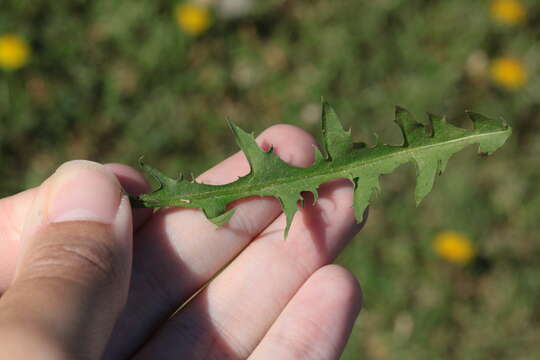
429 146
364 188
337 141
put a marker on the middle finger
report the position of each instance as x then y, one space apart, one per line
179 250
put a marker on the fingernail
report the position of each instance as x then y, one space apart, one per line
83 191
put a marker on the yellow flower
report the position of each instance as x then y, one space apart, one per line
508 72
192 18
509 12
454 247
14 52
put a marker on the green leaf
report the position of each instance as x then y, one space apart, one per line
429 147
336 140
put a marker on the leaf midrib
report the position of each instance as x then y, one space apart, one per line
251 189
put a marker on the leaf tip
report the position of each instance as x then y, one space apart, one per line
400 109
480 120
222 219
406 123
233 127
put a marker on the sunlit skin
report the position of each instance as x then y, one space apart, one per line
276 299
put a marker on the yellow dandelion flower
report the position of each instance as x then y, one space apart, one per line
454 247
508 12
508 72
14 52
193 18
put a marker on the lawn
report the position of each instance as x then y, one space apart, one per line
114 80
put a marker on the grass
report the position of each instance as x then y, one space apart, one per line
110 81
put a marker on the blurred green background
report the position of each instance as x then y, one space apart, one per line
113 80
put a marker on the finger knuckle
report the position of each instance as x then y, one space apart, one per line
84 256
279 131
292 144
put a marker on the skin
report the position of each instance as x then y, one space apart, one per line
76 285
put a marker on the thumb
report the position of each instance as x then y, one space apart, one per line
72 277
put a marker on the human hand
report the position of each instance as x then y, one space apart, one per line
67 294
